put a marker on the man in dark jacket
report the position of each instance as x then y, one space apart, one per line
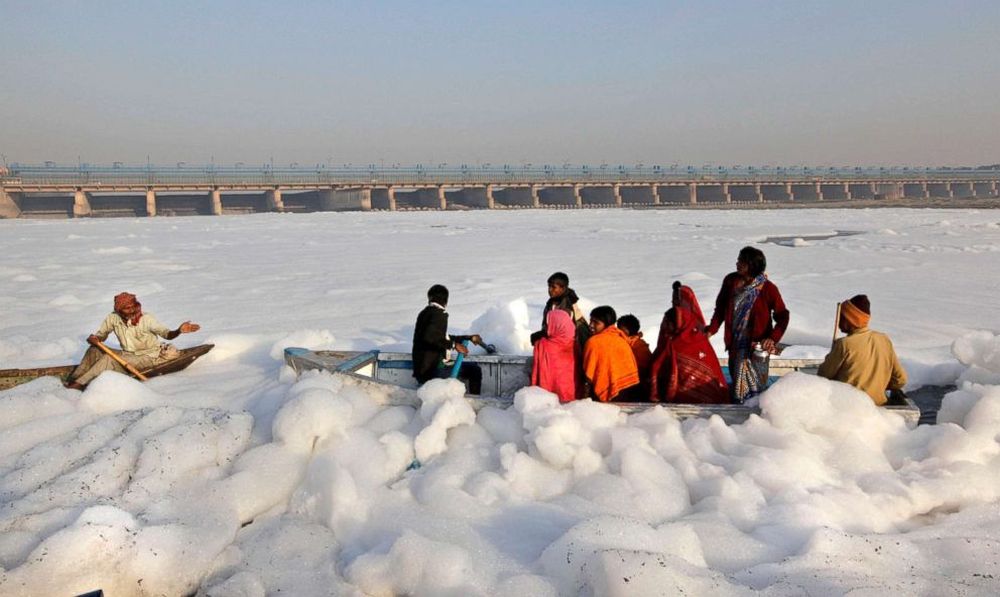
431 343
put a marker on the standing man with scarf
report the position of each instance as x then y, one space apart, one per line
747 303
138 334
864 358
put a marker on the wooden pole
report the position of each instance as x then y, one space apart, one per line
128 366
836 325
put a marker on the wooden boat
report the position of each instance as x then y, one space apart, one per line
15 377
503 375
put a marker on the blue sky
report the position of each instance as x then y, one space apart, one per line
882 82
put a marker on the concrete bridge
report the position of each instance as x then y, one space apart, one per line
52 191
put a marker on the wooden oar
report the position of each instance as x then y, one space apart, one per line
836 325
121 361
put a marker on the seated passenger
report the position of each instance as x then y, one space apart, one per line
640 348
864 358
431 342
553 366
608 362
685 368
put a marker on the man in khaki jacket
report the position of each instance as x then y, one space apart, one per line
139 336
864 358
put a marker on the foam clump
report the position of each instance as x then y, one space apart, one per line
112 391
980 352
314 412
810 403
415 565
443 407
506 326
618 556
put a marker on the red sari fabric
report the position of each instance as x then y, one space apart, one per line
686 299
685 368
554 364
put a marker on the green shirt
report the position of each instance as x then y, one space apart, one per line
142 339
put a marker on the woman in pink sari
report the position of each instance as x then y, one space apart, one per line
554 364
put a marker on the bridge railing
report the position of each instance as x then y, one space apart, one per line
524 174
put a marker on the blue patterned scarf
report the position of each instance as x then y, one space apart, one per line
749 372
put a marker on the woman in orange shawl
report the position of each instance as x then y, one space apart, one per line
553 367
685 368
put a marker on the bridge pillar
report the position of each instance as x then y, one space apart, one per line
215 202
490 201
81 204
536 200
617 190
345 199
873 189
993 188
692 193
789 191
950 189
9 207
442 199
656 193
150 202
391 191
726 193
847 191
819 192
577 197
759 192
926 192
273 199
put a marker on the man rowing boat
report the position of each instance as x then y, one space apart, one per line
138 334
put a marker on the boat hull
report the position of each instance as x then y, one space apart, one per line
503 375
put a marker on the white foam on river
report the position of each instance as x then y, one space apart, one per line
236 478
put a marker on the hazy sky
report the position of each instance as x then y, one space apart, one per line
842 82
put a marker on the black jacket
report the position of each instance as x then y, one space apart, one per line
431 342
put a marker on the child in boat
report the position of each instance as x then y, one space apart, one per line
431 342
561 296
864 358
554 363
608 362
640 348
685 368
138 334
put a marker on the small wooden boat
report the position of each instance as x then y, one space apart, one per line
503 375
15 377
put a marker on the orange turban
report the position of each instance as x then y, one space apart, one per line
853 315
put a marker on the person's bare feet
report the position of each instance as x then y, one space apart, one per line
72 385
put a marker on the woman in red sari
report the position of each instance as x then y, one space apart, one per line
553 367
685 368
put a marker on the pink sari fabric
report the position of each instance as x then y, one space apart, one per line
554 364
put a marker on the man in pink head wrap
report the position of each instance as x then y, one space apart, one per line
138 334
